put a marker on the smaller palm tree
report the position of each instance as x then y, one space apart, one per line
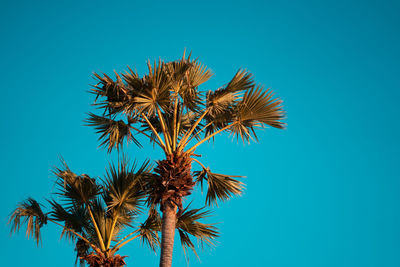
94 215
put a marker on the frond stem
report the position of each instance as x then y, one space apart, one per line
187 135
101 241
167 137
201 164
126 242
174 139
120 241
193 136
209 137
111 231
78 235
145 134
154 131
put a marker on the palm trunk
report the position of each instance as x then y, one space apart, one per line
167 235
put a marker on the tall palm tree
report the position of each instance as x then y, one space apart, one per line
167 106
94 215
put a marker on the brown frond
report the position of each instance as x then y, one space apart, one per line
95 260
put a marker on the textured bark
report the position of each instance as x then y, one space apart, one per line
173 180
167 234
95 260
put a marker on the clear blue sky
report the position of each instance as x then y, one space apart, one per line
324 192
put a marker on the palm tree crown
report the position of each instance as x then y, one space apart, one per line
94 215
167 106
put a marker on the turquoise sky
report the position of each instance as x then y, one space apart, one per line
323 192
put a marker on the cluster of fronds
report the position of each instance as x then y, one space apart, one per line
94 214
161 102
167 106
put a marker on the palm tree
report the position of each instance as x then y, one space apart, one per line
94 215
167 106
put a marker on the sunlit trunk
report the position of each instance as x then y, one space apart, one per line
167 235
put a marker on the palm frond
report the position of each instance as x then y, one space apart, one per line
148 230
222 99
188 224
124 187
133 81
75 190
32 215
112 132
186 243
220 186
155 91
195 76
75 218
257 108
218 120
176 71
115 92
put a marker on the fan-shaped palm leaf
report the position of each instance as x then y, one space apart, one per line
124 186
188 224
155 91
148 230
220 186
257 108
112 132
220 100
115 92
76 190
74 217
32 214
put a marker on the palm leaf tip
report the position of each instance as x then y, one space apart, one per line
220 186
257 109
243 80
32 215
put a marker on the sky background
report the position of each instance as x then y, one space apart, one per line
323 192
